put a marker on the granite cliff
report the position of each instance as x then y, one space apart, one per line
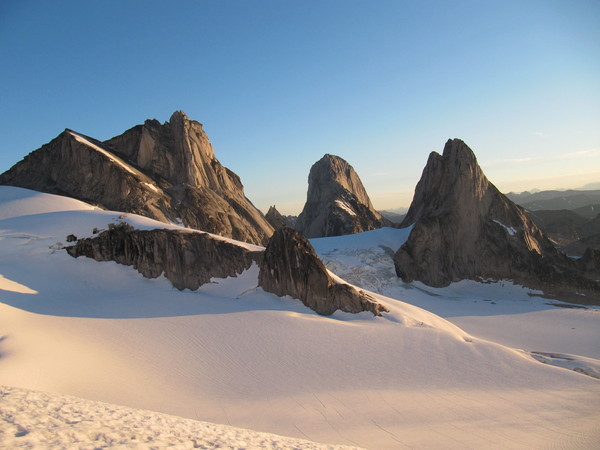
464 228
337 202
164 171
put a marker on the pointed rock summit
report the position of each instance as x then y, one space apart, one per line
337 202
275 218
464 228
164 171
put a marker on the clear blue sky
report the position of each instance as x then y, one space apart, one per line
279 83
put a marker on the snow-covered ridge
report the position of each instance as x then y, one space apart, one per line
31 419
17 203
109 155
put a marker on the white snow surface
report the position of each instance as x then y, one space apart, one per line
233 354
32 419
498 311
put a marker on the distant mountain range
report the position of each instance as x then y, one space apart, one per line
570 199
571 218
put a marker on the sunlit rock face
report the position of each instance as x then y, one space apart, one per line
164 171
464 228
337 202
291 267
78 166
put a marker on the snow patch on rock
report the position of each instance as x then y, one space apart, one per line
510 230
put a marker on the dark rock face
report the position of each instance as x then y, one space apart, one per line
275 218
164 171
590 263
187 259
290 266
337 202
464 228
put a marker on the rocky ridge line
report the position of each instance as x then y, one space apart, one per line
167 172
187 259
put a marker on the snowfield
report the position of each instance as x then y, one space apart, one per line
35 419
500 311
233 354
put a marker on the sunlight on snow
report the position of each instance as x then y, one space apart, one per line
13 286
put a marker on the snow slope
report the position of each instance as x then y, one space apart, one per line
501 312
230 353
30 419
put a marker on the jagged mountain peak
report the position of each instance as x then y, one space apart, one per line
464 228
165 171
275 218
454 176
178 151
337 173
337 202
457 149
179 115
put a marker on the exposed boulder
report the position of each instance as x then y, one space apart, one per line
164 171
275 218
464 228
291 267
337 202
188 259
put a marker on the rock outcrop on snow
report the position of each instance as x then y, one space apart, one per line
186 258
164 171
464 228
189 259
337 202
291 267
